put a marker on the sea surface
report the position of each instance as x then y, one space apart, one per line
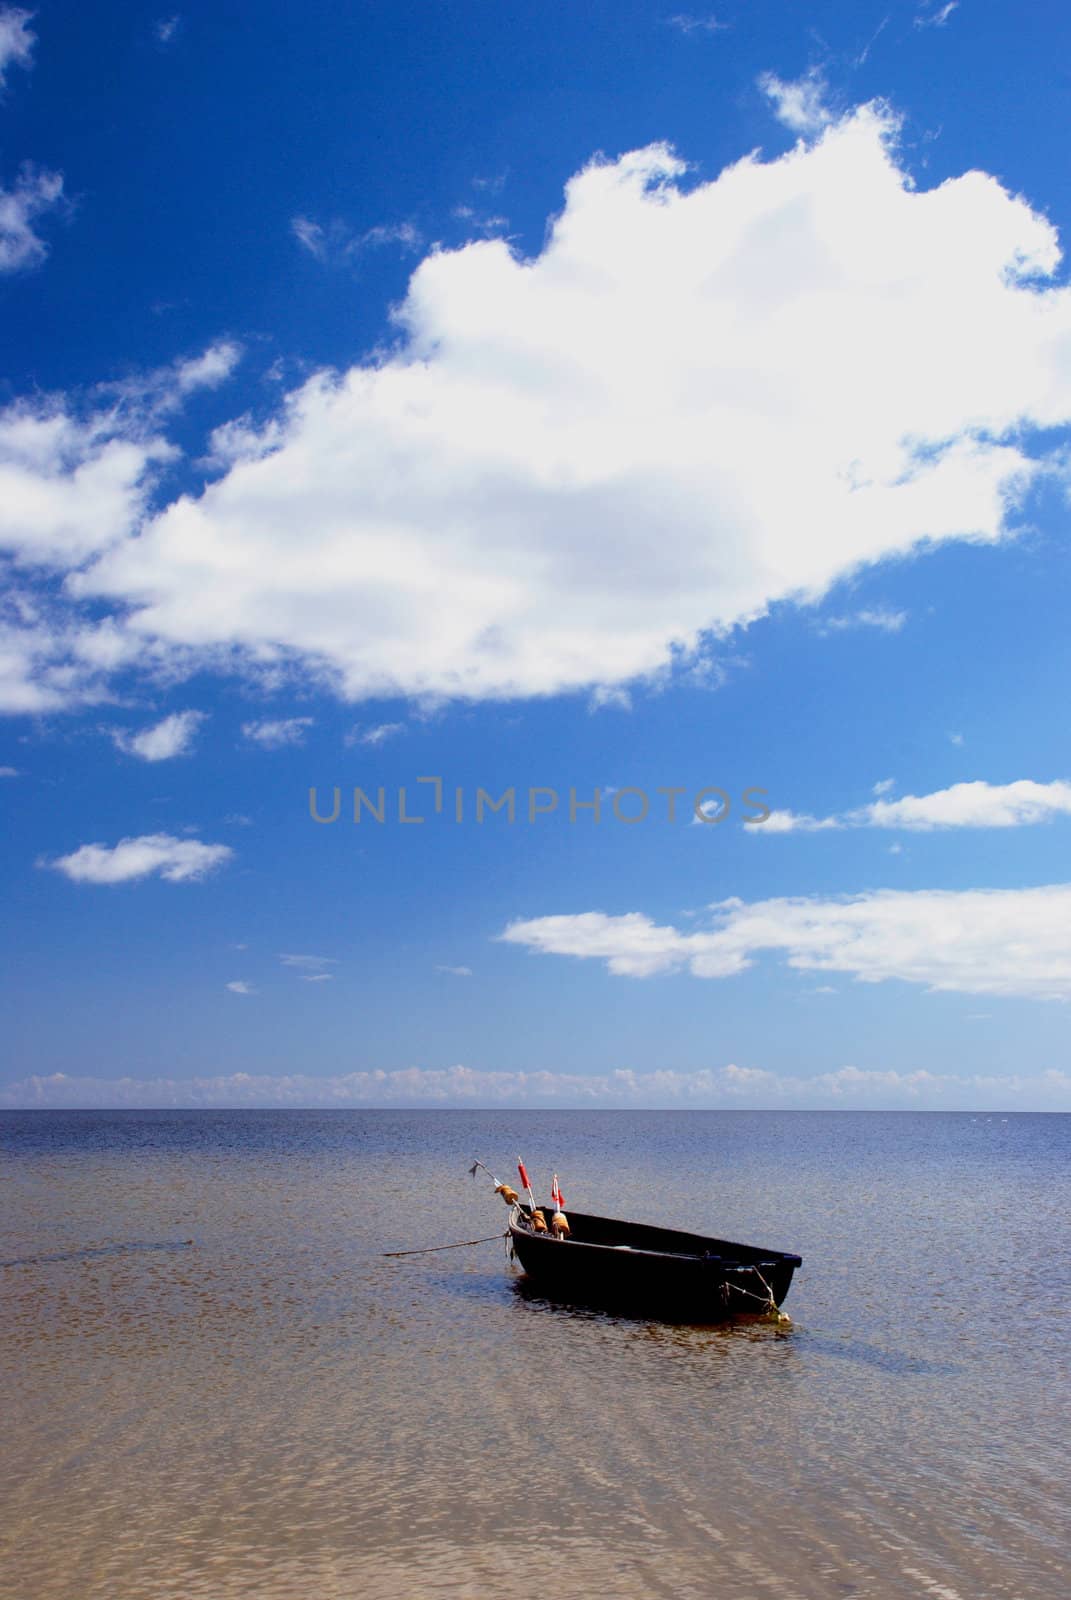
217 1387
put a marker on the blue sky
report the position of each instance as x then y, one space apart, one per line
569 398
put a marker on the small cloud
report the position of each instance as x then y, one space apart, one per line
938 18
311 963
883 786
609 697
160 854
480 221
896 849
782 821
209 370
163 390
456 972
824 988
237 819
875 617
686 24
9 772
166 28
35 192
239 986
16 40
277 735
376 735
955 738
491 185
173 736
317 977
337 244
800 104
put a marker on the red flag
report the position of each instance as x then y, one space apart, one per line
556 1195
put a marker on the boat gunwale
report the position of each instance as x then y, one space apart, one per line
722 1263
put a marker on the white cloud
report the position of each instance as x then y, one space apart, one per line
883 786
456 972
800 104
279 734
311 963
956 738
166 28
16 40
35 193
971 805
844 1087
379 734
176 860
881 617
937 18
239 986
9 772
317 977
70 487
964 805
173 736
982 941
609 453
164 389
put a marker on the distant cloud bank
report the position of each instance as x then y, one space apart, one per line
847 1088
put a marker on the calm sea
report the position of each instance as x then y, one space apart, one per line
276 1410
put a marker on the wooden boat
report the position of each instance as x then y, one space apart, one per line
657 1272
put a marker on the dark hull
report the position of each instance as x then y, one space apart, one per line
655 1272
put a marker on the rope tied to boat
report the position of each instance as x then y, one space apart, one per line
773 1310
461 1244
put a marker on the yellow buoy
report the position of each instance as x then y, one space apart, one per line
559 1223
539 1222
509 1195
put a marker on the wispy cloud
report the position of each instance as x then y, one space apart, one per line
164 389
376 735
964 805
16 40
308 963
936 16
277 735
336 243
456 972
150 855
35 193
689 24
239 986
174 736
981 941
886 620
843 1087
9 772
166 28
316 977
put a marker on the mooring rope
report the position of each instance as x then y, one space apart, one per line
429 1248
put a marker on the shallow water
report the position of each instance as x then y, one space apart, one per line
274 1409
